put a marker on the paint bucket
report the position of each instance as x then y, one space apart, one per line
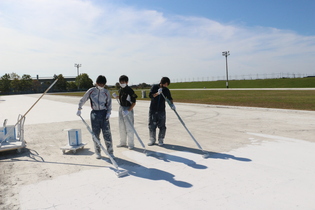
74 136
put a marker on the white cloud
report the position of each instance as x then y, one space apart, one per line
48 37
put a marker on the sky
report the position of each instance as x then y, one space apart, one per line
149 39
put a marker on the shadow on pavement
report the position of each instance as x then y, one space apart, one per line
154 174
134 169
213 155
171 158
10 156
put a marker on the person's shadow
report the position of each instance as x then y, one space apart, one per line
213 155
171 158
154 174
134 169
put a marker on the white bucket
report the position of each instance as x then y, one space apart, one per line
74 136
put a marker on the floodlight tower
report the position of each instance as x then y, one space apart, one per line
77 66
226 54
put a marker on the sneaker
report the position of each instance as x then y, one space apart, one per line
98 156
160 143
131 148
150 143
121 145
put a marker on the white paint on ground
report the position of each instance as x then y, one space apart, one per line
272 175
45 111
272 137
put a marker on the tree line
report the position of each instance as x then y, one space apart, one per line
15 84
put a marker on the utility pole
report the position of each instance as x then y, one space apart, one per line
77 66
226 54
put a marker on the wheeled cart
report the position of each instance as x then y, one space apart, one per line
12 136
72 148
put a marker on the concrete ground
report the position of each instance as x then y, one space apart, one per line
259 159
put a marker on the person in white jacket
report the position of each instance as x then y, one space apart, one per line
101 104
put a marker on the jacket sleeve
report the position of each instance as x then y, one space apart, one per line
133 96
152 91
109 103
168 94
84 98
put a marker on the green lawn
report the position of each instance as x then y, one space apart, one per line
308 82
282 99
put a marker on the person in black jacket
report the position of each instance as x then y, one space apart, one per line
157 115
127 100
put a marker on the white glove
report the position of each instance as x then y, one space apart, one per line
107 116
125 112
79 112
114 95
173 107
159 91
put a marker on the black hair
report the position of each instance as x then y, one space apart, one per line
101 80
123 78
165 80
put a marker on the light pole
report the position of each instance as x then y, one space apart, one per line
77 66
226 54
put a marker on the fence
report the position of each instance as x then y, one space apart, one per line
244 77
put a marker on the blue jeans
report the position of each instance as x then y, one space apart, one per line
157 119
99 123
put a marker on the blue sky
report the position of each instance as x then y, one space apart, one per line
146 39
295 15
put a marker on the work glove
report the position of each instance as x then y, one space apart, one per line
79 112
125 112
107 116
173 107
114 95
159 91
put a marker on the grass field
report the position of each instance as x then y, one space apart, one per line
282 99
308 82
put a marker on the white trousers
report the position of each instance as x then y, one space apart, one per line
126 124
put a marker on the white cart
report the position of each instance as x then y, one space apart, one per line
12 136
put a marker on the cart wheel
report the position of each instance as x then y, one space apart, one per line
63 151
19 150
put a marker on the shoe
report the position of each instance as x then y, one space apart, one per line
98 156
150 143
112 156
131 148
121 145
160 143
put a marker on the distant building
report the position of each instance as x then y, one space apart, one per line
49 79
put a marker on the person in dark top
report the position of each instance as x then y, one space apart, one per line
157 115
127 100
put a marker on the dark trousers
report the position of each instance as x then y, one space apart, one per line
99 123
157 119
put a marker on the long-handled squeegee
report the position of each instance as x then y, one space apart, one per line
206 154
119 173
134 130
